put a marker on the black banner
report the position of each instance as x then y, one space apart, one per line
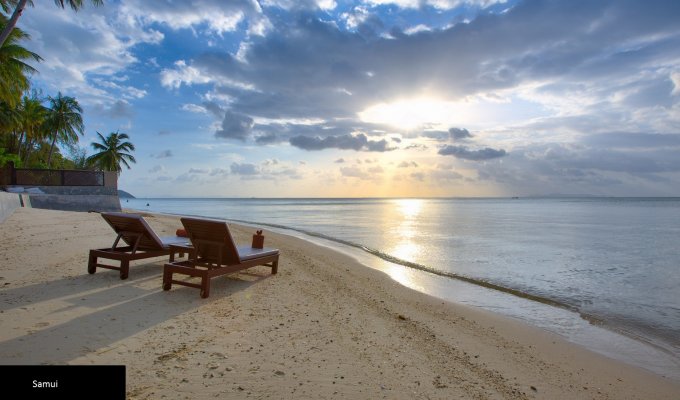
101 382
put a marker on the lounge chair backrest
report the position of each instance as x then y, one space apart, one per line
211 240
132 226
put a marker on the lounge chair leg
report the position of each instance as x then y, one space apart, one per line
124 269
167 280
205 287
92 264
275 267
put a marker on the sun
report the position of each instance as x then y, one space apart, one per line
410 113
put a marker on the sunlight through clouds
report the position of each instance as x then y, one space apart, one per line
411 113
530 83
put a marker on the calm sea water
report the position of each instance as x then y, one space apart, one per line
614 261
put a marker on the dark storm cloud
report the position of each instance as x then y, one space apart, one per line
474 155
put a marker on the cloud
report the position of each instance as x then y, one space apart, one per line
354 172
460 134
437 4
416 146
214 108
570 92
164 154
194 108
267 138
590 166
235 126
611 140
116 109
218 172
465 153
244 169
407 164
675 78
492 53
358 142
214 16
127 92
157 168
182 74
445 175
85 52
380 146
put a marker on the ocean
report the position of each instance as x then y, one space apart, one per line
602 272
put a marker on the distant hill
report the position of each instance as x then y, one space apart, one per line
125 195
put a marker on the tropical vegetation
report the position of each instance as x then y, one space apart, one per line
14 70
38 131
112 151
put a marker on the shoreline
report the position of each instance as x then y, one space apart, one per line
325 325
569 323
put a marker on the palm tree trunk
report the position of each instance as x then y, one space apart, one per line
12 21
27 152
23 145
14 142
17 141
49 157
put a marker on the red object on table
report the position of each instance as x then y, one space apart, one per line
181 233
258 240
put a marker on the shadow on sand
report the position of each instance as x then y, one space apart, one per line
114 310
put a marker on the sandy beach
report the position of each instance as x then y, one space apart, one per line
324 327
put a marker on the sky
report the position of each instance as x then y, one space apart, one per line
375 98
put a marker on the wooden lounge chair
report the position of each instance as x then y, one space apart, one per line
142 242
215 254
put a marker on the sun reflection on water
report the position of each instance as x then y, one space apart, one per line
409 208
405 239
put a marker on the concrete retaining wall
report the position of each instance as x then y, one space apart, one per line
8 203
91 202
70 198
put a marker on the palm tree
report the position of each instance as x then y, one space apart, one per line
9 118
32 116
13 70
113 151
64 121
20 5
